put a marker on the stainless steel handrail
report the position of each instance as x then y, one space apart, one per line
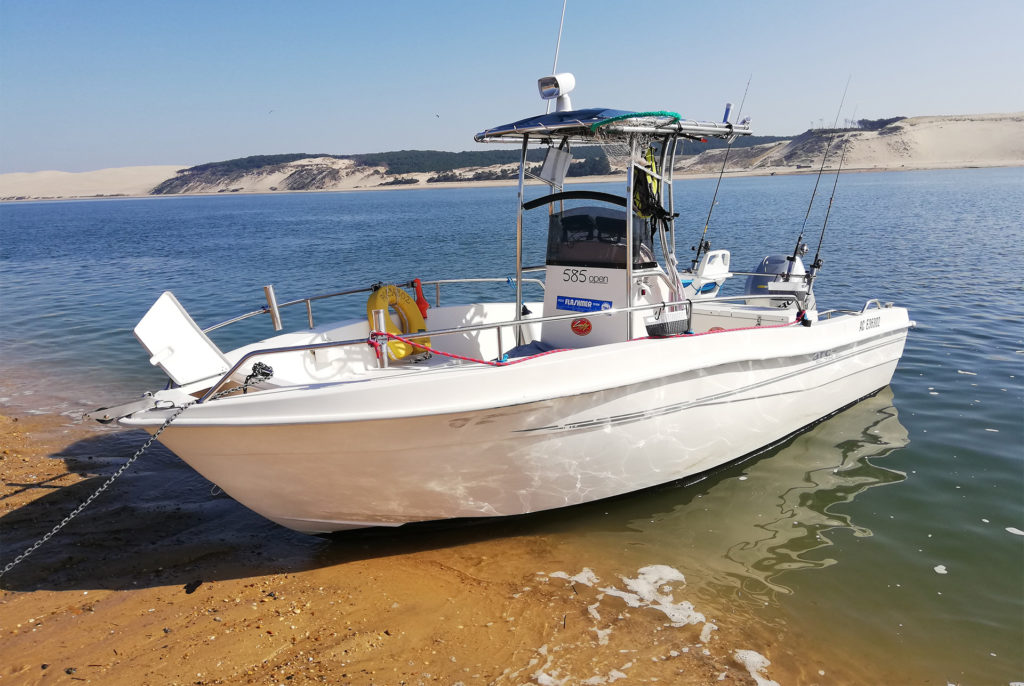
827 314
308 302
688 304
791 276
437 283
878 305
437 298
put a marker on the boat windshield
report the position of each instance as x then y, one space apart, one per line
596 237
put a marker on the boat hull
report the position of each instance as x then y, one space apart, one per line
317 472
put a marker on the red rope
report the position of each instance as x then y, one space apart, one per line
494 363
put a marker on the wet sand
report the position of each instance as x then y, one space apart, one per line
163 580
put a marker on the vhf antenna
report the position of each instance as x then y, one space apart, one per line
558 45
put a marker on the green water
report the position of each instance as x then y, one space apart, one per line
884 546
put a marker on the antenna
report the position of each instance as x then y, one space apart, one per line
558 45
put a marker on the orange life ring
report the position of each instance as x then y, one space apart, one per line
392 297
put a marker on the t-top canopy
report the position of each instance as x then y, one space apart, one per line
575 123
596 122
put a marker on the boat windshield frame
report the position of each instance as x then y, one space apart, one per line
637 131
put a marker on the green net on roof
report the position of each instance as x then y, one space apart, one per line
635 115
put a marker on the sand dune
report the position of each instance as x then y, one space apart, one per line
59 184
933 142
982 140
992 140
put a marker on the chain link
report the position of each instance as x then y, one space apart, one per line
257 376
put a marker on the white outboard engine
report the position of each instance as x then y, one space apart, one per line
782 275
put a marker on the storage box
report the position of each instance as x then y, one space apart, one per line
710 315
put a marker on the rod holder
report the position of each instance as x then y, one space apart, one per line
380 325
275 312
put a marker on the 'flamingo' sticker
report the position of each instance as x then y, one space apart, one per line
581 327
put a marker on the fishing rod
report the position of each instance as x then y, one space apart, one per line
703 245
816 265
797 251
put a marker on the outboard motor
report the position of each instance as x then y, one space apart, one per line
775 269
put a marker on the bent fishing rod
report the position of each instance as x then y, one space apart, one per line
799 248
816 265
703 244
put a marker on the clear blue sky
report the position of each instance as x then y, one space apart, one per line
89 85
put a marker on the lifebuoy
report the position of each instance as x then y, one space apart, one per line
392 297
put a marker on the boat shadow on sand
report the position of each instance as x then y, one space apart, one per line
162 524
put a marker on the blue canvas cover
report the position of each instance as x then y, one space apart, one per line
554 122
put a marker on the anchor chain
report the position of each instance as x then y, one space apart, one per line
260 372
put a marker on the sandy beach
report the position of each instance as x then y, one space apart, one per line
162 580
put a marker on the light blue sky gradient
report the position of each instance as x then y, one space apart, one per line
89 85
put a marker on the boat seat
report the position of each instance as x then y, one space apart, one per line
711 273
176 343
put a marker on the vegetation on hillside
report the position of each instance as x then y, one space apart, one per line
876 124
245 164
400 162
497 163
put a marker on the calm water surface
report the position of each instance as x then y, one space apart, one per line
886 542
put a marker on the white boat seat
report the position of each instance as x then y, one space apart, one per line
176 343
711 273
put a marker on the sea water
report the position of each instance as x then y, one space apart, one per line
887 542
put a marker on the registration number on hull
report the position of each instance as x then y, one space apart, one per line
870 323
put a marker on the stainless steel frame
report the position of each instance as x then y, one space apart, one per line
519 238
688 304
668 133
308 302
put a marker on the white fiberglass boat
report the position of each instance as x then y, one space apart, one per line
630 373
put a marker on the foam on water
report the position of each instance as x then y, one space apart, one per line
705 633
650 589
653 588
755 664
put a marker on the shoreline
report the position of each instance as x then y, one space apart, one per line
913 143
161 582
608 178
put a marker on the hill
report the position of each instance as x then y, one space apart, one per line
940 142
983 140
